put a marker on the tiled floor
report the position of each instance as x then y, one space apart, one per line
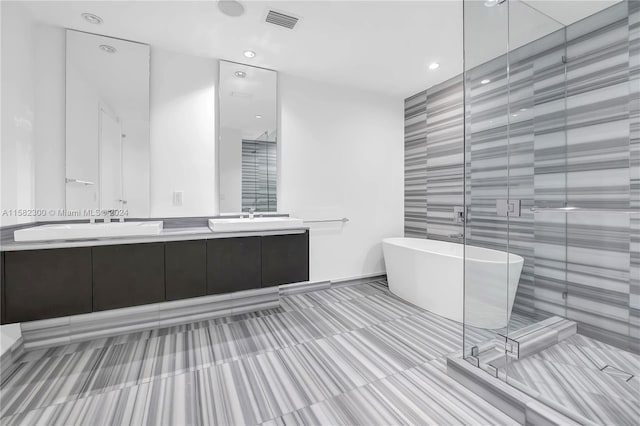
596 380
350 355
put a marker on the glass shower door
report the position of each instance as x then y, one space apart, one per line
486 128
551 172
506 76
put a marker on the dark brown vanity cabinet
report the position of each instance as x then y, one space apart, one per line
185 269
127 275
285 259
40 284
233 264
3 317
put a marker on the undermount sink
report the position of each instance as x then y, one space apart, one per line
78 231
255 224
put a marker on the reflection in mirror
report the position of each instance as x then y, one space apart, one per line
107 125
248 138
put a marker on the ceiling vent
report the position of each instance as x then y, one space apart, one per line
281 19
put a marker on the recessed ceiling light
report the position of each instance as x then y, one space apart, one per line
434 66
240 74
523 109
258 116
514 115
231 8
249 54
106 48
91 18
485 81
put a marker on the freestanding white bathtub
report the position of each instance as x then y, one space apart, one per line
429 274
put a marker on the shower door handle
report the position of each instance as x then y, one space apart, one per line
508 207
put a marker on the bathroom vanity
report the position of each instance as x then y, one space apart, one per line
57 279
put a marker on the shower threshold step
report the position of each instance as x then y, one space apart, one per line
522 343
535 337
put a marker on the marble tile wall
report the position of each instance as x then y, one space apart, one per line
634 165
549 135
445 154
434 161
415 166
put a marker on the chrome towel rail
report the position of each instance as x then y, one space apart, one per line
343 220
82 182
582 210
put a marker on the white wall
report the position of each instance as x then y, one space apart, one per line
183 99
18 113
230 152
341 155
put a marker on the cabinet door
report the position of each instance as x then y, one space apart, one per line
127 275
285 259
186 269
3 309
42 284
233 264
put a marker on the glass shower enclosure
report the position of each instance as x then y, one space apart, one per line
552 184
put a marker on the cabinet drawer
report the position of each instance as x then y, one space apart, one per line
127 275
233 264
185 269
42 284
285 259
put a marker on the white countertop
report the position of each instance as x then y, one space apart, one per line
170 234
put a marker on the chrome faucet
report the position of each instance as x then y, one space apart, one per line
110 214
251 213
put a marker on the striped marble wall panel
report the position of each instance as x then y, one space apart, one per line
445 156
415 166
597 173
634 168
549 170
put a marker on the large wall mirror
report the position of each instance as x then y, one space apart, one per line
248 138
107 125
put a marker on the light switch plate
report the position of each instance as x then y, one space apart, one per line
177 198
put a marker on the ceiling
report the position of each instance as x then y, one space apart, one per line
382 46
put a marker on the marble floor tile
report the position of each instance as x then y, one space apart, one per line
571 373
347 355
423 395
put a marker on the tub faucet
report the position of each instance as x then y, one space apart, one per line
251 213
458 214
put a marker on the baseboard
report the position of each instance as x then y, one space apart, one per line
363 279
115 322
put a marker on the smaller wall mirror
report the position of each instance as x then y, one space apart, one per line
107 125
248 138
